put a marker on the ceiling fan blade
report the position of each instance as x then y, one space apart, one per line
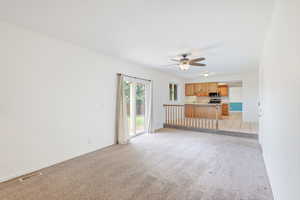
197 64
169 65
175 60
196 60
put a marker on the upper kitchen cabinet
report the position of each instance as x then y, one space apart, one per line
203 89
212 88
200 89
189 89
223 90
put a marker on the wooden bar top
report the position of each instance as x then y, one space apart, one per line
204 104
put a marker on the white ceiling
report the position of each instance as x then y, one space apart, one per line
228 33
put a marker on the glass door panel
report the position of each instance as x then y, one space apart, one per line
135 102
128 97
140 108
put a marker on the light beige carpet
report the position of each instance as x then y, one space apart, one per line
169 165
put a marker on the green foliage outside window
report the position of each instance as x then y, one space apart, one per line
173 95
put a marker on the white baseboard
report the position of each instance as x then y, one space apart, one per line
19 174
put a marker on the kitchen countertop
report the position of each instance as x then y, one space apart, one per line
204 104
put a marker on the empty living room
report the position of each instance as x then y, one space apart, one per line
149 100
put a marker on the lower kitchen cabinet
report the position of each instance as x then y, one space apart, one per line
225 109
201 111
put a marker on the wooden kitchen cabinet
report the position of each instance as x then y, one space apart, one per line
201 89
189 89
189 110
201 111
212 87
197 88
225 109
205 90
223 90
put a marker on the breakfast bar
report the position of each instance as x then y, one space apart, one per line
203 110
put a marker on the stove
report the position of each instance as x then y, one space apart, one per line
215 101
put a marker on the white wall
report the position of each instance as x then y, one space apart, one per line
280 74
250 96
57 100
235 94
250 91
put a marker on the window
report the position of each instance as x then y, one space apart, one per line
170 92
173 93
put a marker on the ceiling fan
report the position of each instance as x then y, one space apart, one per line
185 62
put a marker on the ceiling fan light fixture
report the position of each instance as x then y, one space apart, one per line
184 66
185 63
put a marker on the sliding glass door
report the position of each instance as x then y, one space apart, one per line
135 101
140 108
